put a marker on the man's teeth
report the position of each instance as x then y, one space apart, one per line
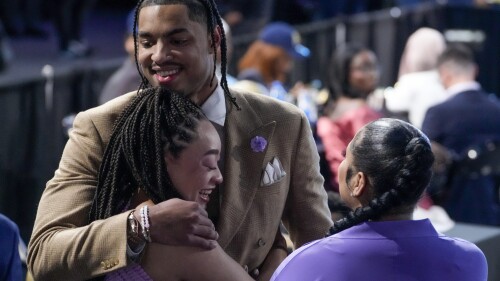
167 72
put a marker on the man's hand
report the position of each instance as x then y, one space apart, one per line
178 222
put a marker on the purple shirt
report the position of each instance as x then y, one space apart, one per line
389 250
133 272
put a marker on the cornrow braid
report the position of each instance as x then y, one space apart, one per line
396 158
212 20
375 209
223 46
157 120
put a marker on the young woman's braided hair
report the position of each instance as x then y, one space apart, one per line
156 121
396 158
201 11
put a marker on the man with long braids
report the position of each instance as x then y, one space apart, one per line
386 169
269 163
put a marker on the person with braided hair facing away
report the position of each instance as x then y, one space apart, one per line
386 169
269 163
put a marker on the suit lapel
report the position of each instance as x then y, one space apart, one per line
243 166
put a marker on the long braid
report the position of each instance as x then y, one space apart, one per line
376 208
144 80
210 27
109 160
157 120
223 46
158 149
397 161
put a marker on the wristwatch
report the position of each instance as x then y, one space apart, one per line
133 230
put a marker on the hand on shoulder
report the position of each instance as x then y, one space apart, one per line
178 222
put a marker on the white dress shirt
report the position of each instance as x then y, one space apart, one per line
215 106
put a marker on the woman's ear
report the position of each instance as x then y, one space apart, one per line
359 184
169 159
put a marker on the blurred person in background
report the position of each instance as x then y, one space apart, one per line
269 59
468 118
353 76
418 86
10 262
126 78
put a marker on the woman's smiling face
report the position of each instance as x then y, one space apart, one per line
195 173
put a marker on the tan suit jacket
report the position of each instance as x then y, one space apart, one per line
65 246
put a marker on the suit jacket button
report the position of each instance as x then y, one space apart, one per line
261 243
255 273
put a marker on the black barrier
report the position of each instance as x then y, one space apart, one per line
32 136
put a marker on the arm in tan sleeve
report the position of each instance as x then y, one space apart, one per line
64 246
306 214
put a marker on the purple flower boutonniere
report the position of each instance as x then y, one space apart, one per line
258 144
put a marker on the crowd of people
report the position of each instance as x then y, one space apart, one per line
184 172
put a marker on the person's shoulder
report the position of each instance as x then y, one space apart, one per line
7 225
440 107
117 104
465 247
102 117
320 249
491 98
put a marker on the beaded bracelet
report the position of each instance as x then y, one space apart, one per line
145 223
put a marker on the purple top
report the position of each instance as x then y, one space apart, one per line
133 272
389 250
